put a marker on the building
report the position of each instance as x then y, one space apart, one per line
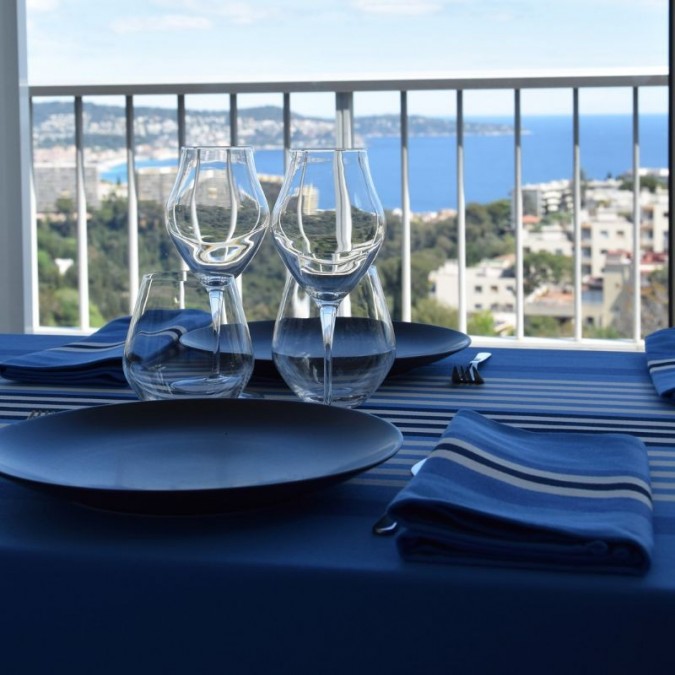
607 233
490 284
541 199
57 181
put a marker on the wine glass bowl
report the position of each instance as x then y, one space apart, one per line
328 223
217 213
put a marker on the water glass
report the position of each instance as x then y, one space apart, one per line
187 340
364 345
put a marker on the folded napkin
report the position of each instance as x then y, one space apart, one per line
660 350
492 494
96 360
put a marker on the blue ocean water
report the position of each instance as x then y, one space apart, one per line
606 143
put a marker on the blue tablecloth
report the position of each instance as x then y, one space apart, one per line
306 587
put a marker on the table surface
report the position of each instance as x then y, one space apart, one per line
304 586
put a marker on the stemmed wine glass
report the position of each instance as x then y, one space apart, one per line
217 216
328 226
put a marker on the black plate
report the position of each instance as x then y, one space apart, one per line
193 455
417 344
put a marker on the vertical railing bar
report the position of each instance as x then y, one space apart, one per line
180 121
406 276
462 312
81 205
234 121
637 301
132 204
33 291
518 219
182 142
344 119
234 140
576 197
287 129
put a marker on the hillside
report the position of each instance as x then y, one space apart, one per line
261 126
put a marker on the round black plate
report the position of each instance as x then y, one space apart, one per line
193 455
417 344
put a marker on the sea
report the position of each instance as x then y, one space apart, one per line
605 141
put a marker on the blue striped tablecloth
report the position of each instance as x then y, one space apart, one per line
312 583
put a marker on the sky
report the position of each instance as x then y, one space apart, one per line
165 41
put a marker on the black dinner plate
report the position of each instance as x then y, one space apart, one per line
417 344
194 455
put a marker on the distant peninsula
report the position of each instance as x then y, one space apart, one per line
157 128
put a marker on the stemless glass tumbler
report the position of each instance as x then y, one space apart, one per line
185 342
363 347
328 226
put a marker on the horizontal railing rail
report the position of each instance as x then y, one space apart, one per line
344 91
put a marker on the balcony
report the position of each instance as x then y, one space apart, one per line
346 94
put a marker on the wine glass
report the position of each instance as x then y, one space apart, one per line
217 214
328 226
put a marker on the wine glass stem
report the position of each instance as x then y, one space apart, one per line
216 303
327 312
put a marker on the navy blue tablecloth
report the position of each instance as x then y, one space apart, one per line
305 587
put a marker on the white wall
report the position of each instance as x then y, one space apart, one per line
17 241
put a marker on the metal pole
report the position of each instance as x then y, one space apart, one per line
234 122
180 120
81 205
576 187
287 129
406 277
132 204
462 311
518 218
637 299
344 119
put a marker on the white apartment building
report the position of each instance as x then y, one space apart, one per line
154 183
606 239
490 284
553 239
56 181
604 232
541 199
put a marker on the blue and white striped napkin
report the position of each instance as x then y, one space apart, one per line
96 360
92 360
660 350
493 494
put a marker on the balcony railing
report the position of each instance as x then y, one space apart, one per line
345 91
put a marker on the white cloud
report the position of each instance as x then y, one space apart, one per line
42 5
397 7
167 22
237 11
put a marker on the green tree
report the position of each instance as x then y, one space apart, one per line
481 323
429 310
543 267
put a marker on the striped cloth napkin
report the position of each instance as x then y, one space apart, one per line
660 350
492 494
96 360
